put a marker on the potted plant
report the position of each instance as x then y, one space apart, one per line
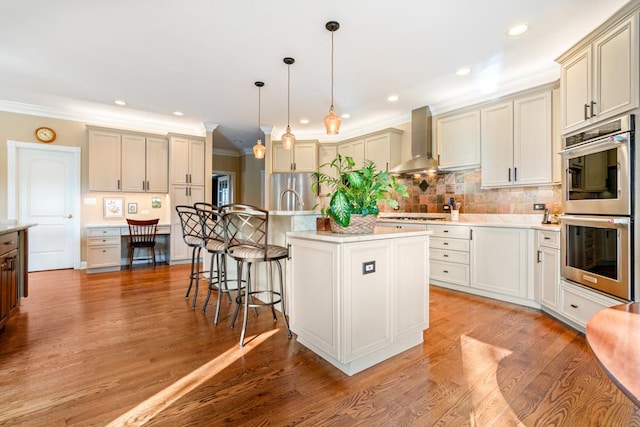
355 193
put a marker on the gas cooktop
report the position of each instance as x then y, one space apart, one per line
412 218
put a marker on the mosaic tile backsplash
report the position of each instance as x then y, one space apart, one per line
429 193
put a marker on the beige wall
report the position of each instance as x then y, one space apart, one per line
226 163
252 185
21 127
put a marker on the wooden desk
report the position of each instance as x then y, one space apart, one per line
107 246
614 337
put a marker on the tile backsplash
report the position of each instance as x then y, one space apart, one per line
428 193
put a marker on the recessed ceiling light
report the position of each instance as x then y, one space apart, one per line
120 102
393 98
346 116
304 121
463 71
178 113
516 30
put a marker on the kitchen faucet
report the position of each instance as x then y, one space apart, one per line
296 195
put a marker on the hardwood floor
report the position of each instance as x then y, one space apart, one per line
126 349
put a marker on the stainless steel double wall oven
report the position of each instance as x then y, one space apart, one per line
598 203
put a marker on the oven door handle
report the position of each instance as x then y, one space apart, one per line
597 145
603 220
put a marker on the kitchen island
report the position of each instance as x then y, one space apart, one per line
14 275
359 299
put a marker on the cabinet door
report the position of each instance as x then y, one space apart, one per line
281 159
532 139
499 260
377 149
133 163
104 160
326 154
497 145
5 280
353 149
179 160
157 161
458 140
305 157
196 162
616 70
575 84
549 271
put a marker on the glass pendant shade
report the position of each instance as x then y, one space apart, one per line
332 122
288 139
259 150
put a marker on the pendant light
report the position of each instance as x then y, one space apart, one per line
332 121
259 149
288 139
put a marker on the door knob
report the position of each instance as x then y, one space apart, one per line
69 216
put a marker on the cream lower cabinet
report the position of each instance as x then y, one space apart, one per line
357 303
103 249
182 195
547 270
449 254
500 262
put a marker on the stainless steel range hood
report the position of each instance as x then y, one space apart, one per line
421 146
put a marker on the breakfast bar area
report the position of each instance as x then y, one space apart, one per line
359 299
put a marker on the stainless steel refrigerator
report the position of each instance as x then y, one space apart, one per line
291 192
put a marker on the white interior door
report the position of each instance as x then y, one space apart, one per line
47 191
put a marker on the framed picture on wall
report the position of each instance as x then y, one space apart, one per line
114 207
132 208
156 202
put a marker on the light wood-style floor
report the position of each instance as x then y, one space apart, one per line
126 349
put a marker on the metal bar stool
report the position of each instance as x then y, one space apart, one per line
213 234
246 241
192 235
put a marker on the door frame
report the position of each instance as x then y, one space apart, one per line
13 153
232 183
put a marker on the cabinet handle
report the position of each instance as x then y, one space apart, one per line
574 306
445 271
147 185
539 257
586 114
13 242
445 231
186 177
515 174
471 234
593 104
509 174
143 186
547 238
104 250
118 184
445 255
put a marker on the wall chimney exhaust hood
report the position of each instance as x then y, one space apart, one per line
421 146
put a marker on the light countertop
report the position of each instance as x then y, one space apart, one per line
477 220
379 233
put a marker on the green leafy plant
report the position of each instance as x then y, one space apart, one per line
356 191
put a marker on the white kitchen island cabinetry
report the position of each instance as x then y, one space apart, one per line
357 300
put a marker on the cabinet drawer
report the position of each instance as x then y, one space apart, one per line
454 231
579 305
8 242
103 256
101 241
111 231
449 272
549 238
449 244
449 256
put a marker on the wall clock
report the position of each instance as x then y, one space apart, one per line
45 134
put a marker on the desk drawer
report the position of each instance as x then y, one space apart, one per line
107 231
103 256
449 244
101 241
8 242
449 256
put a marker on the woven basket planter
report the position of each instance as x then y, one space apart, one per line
359 224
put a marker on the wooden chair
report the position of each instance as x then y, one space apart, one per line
142 234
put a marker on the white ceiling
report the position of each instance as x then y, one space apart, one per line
73 58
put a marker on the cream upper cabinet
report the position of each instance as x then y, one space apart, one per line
187 160
458 140
353 149
157 165
516 140
600 80
326 154
104 160
302 158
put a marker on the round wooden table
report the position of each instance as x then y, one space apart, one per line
614 337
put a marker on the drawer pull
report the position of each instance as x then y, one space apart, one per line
13 242
445 255
104 250
573 306
547 238
445 231
445 271
446 243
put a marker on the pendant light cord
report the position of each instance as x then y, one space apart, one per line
259 101
332 69
288 94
